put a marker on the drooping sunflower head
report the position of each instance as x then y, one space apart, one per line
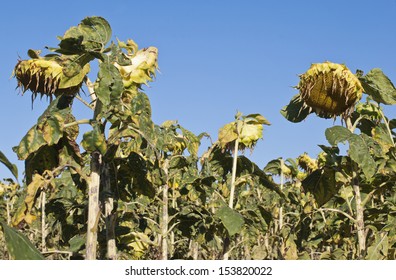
50 76
307 163
330 89
141 68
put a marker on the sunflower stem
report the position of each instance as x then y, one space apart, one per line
83 121
359 220
93 193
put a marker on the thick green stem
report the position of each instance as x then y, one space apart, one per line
83 121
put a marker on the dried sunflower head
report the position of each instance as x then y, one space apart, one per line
49 76
330 89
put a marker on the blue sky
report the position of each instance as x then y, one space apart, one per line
215 58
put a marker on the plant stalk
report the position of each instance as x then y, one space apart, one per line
8 211
232 191
43 230
359 221
233 176
165 215
93 206
165 221
110 215
93 189
282 177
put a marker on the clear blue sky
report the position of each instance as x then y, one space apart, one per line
215 57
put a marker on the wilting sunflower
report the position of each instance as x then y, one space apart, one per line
330 90
49 76
141 69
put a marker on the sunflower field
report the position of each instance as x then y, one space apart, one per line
133 189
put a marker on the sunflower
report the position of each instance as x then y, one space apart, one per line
330 90
49 76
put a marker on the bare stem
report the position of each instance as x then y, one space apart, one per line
93 190
8 212
339 211
93 206
233 176
83 121
165 215
43 230
386 122
359 205
110 216
281 188
84 102
164 224
232 192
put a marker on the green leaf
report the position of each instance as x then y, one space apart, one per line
48 130
379 87
34 53
76 242
381 136
322 184
12 167
45 158
30 143
231 219
295 111
337 134
133 174
75 69
52 129
108 86
256 119
359 149
91 35
96 29
24 212
193 141
94 140
245 164
19 247
379 249
227 134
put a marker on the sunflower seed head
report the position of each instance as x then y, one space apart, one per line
330 89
